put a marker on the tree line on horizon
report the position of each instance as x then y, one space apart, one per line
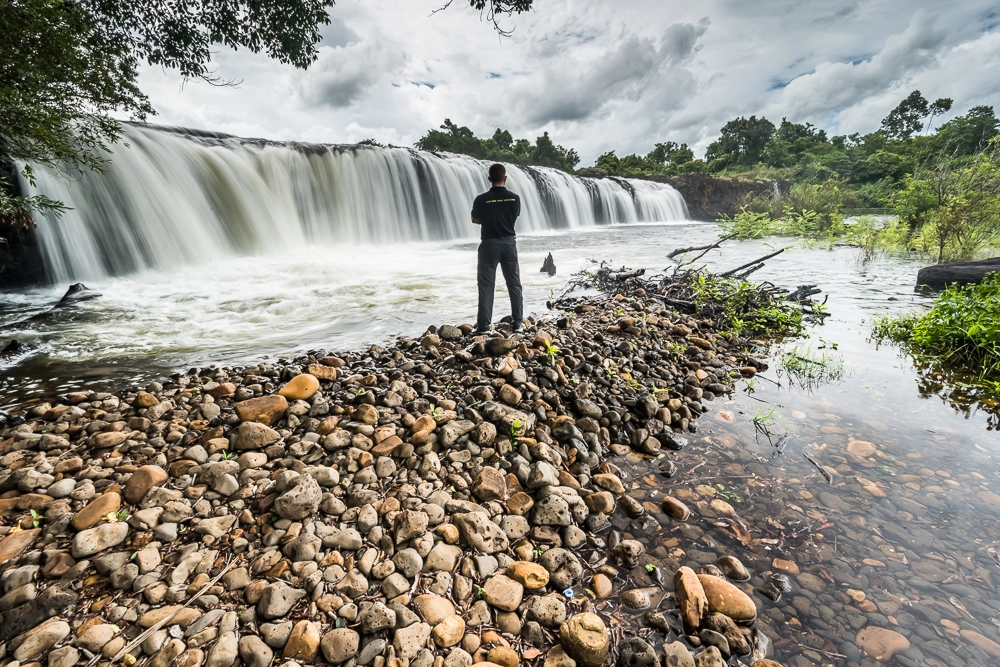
871 166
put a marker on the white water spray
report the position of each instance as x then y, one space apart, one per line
175 198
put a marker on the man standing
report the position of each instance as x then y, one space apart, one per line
496 212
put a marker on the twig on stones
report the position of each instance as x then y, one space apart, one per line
142 637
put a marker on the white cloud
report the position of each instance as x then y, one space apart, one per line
600 75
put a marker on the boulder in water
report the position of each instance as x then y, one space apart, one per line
548 266
76 293
14 348
937 277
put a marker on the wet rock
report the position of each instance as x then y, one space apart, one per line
881 643
675 508
601 586
677 655
635 598
584 637
733 568
628 552
725 598
691 597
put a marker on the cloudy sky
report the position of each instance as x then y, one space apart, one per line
601 75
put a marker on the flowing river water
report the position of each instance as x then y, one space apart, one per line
902 536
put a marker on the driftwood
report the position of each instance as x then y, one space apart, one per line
704 248
729 273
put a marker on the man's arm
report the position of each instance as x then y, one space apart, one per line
475 212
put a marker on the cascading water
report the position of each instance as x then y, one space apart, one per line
174 198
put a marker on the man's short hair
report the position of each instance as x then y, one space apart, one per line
497 173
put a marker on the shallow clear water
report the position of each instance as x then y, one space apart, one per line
911 519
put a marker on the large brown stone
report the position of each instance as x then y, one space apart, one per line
585 638
97 509
449 631
141 481
503 592
691 596
366 414
300 388
490 484
303 643
725 598
266 410
15 543
881 643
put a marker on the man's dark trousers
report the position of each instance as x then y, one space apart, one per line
501 251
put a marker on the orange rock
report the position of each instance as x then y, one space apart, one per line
300 388
265 410
691 596
725 598
15 543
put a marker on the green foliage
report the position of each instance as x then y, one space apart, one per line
908 117
962 328
746 309
741 144
747 225
501 147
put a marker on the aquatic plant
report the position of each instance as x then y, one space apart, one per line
810 368
961 328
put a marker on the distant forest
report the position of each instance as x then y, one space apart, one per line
870 166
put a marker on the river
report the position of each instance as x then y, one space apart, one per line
900 531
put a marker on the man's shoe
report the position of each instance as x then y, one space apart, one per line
479 331
517 327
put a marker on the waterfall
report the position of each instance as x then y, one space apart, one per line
172 197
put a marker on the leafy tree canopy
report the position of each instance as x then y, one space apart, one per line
501 147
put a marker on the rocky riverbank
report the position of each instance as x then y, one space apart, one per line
438 502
